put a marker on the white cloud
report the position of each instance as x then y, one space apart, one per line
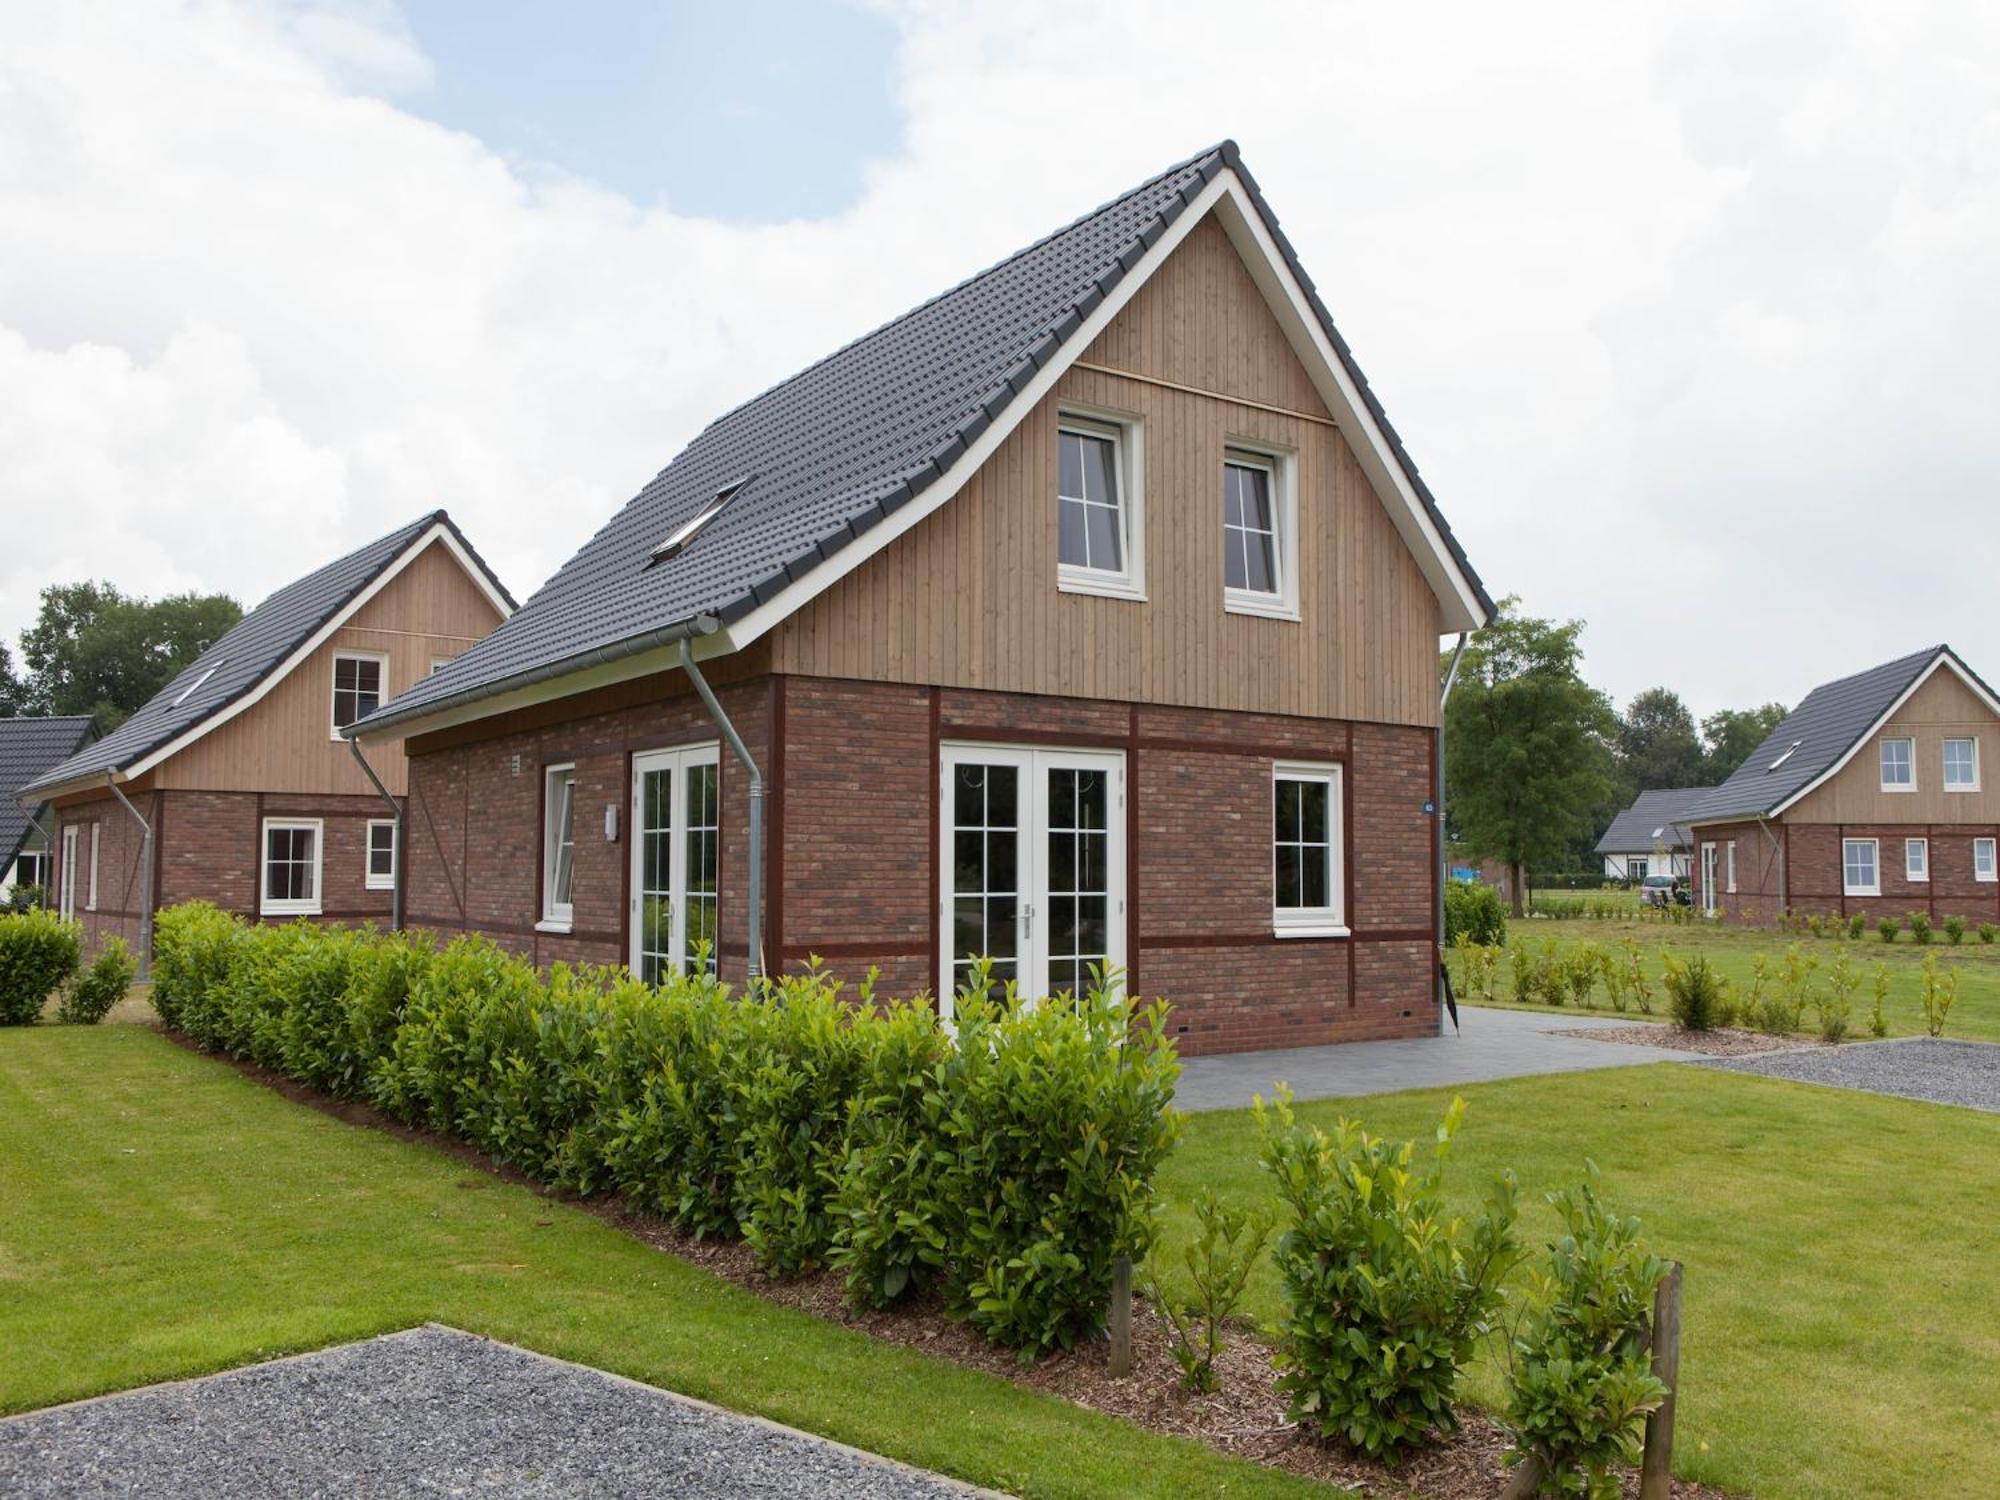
1689 319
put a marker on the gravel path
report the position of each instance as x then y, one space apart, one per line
1944 1072
429 1412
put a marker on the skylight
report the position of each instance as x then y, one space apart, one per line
188 691
676 544
1785 757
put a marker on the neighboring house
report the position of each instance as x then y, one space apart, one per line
1086 614
1871 797
237 767
1648 837
29 747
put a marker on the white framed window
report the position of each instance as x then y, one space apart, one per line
1729 866
1899 765
96 843
1306 875
1861 873
1917 859
1985 866
1259 525
381 854
439 663
558 846
1961 765
1100 505
360 682
66 890
1635 868
291 880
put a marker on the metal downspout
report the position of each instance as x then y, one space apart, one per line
1444 847
145 880
741 751
395 812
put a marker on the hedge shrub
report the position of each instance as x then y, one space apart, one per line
89 996
1476 911
1007 1171
38 954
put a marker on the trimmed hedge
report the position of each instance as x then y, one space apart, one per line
1474 912
39 952
1006 1171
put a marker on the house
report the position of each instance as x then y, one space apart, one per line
1647 838
1870 798
1086 614
233 784
28 747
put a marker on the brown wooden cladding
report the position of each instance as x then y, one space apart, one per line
1943 708
285 743
968 598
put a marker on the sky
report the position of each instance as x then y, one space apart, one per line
1688 313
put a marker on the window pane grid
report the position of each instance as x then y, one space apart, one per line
1898 768
985 844
701 850
1249 534
1079 876
1091 529
1961 764
289 863
561 839
1302 844
1859 861
357 688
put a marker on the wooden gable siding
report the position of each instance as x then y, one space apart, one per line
1943 708
969 598
285 743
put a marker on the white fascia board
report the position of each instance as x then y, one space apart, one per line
475 572
1943 659
256 695
1294 312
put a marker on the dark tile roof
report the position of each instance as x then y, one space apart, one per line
1652 820
28 747
250 651
847 442
1833 717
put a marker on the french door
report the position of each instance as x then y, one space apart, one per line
676 817
66 892
1708 880
1032 858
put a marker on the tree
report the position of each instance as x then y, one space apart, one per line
1733 734
93 650
1657 743
1527 746
13 691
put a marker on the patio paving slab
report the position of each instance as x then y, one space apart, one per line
1491 1044
432 1411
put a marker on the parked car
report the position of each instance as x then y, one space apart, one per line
1663 890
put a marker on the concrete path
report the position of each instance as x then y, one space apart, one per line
430 1412
1492 1044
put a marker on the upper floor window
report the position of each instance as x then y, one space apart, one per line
1961 765
1259 573
358 680
558 844
1899 766
1101 537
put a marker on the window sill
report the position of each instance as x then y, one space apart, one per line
1103 585
380 885
1264 606
1956 791
1900 790
1852 891
1327 929
554 924
290 909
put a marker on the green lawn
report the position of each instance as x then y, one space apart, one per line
161 1216
1976 1015
1842 1312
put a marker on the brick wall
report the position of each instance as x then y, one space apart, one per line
1813 883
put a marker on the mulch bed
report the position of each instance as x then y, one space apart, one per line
1721 1042
1244 1418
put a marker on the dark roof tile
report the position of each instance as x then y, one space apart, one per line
28 747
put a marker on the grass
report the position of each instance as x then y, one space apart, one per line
1842 1323
1976 1016
162 1216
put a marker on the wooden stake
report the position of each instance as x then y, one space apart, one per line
1121 1317
1524 1480
1656 1469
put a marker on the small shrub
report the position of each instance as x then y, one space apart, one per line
1836 1005
1579 1372
1474 911
1797 984
27 897
1219 1260
1694 992
1617 982
1638 982
1988 932
1478 969
1577 974
1857 923
39 952
1816 924
1940 993
1888 927
89 996
1920 926
1954 930
1387 1292
1878 1021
